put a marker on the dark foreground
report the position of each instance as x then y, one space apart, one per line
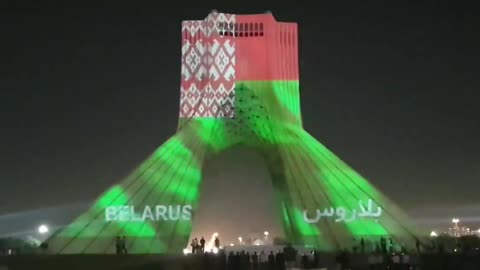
216 262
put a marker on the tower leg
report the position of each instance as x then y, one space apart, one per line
152 208
314 181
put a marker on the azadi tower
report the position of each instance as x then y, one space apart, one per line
239 86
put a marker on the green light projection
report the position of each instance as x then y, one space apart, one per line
152 204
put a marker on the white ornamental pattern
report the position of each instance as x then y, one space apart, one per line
208 69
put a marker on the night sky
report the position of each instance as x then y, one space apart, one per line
89 91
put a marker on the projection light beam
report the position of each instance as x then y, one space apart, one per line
239 86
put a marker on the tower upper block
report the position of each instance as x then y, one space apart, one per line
226 48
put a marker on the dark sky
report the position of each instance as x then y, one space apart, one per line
88 91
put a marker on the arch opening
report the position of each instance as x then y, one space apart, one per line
237 199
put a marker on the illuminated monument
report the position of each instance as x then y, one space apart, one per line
239 86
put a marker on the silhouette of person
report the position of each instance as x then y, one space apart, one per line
383 244
263 260
202 244
223 259
246 260
193 246
255 260
196 245
217 243
124 245
271 261
280 260
417 245
118 245
231 260
237 261
305 261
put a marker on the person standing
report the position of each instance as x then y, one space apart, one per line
383 245
217 243
255 260
197 245
263 260
193 246
118 245
271 261
202 244
123 245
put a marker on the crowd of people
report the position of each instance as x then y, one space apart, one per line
380 254
289 258
199 246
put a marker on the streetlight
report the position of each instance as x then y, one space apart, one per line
240 239
266 234
43 229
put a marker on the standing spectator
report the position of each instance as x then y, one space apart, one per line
255 260
304 261
217 243
263 260
124 245
196 245
118 245
271 261
202 244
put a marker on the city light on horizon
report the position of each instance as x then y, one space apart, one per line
43 229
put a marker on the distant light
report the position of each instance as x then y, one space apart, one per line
186 251
215 234
257 244
231 244
43 229
455 220
433 234
240 239
455 250
266 233
215 250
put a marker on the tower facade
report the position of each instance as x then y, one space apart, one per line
239 86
